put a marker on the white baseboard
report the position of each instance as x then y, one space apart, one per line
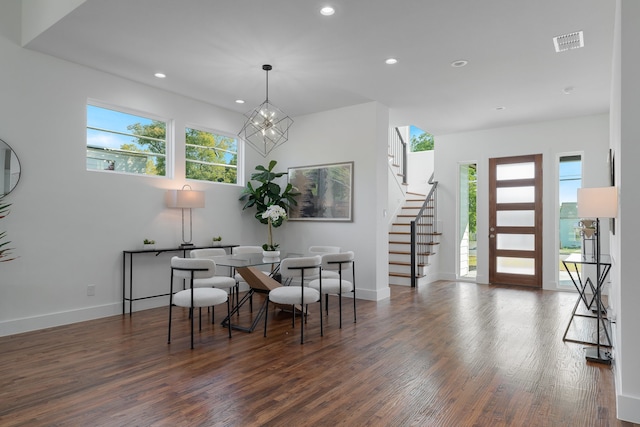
446 276
627 407
27 324
373 295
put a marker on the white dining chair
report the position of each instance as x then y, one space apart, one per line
292 269
322 250
338 263
191 269
220 282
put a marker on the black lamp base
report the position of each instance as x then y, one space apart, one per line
598 355
187 245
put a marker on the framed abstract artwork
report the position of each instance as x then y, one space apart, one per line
326 192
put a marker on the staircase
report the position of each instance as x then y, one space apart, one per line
400 243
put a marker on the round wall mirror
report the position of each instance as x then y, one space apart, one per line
9 168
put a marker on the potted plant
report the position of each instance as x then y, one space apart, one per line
274 214
270 200
217 241
5 252
149 244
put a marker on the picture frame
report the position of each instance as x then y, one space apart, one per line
326 192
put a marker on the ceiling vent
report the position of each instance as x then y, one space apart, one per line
569 41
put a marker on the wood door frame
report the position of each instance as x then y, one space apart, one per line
534 280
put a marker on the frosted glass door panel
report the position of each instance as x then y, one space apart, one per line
513 265
515 171
516 242
515 195
515 218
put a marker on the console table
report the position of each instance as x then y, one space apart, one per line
130 253
573 264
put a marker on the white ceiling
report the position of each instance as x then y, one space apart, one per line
213 50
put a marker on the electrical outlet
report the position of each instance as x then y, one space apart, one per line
91 290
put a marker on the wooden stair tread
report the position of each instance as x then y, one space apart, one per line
407 233
409 253
407 275
424 248
408 264
407 224
435 233
397 242
400 224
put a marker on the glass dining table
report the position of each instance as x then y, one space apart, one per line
247 266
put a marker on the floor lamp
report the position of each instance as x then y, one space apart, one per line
598 203
186 198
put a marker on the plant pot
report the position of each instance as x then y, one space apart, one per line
271 254
218 244
148 247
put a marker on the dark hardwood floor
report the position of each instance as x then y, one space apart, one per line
447 354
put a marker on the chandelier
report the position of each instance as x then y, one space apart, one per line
267 127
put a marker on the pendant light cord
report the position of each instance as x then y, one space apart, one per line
267 68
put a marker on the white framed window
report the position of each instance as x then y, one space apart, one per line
467 220
126 141
569 238
211 156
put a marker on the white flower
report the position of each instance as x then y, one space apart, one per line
274 212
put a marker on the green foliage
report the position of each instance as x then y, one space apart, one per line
147 138
473 183
268 193
422 142
5 252
204 148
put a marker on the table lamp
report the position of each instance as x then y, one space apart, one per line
186 198
598 203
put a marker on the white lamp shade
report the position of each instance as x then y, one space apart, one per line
599 202
184 199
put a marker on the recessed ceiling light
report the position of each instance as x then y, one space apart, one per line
160 75
501 108
239 101
569 41
568 90
327 11
459 63
391 61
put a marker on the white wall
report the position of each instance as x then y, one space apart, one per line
586 134
625 134
39 15
420 168
69 226
358 134
396 196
